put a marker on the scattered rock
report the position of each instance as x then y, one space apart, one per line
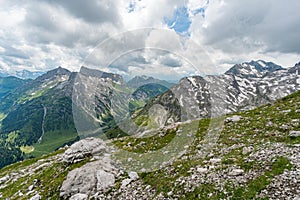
125 182
234 118
133 176
247 150
215 160
202 170
236 172
36 197
4 179
79 197
269 123
284 127
294 134
30 187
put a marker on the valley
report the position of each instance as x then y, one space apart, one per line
212 137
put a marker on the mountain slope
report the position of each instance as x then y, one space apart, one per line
9 84
202 97
139 81
255 157
37 117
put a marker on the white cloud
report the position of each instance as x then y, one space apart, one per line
41 35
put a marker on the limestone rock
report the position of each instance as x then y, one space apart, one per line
104 179
36 197
133 175
79 197
125 182
234 118
236 172
294 134
88 147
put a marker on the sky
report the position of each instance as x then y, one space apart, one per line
167 38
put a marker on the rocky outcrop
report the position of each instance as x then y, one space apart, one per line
89 179
84 148
92 177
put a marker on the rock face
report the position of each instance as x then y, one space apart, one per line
243 87
84 148
254 69
91 177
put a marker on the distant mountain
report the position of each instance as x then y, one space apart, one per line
254 69
149 91
138 81
243 87
9 84
25 74
39 114
100 74
4 74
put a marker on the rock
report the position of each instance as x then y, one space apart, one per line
269 123
236 172
247 150
202 170
294 134
88 147
284 127
104 179
125 182
234 118
36 197
30 187
79 197
215 160
90 178
4 179
133 176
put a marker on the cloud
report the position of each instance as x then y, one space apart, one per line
41 35
266 26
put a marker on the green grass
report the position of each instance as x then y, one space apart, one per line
256 185
52 141
27 149
48 181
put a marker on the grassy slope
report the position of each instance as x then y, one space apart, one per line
252 130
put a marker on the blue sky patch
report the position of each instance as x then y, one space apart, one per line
199 11
131 7
180 22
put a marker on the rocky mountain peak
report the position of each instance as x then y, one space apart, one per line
54 73
253 69
295 69
138 81
101 74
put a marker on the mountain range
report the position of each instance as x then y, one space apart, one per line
23 74
37 116
255 156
